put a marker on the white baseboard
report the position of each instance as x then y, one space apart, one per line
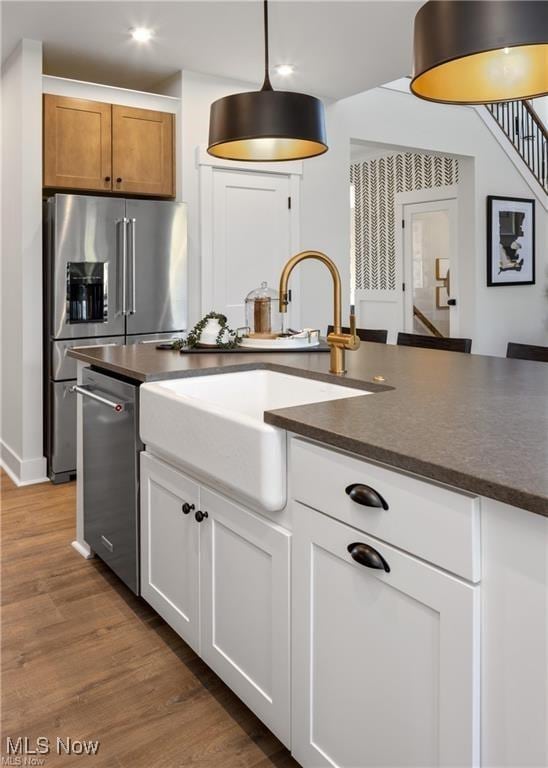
22 471
83 549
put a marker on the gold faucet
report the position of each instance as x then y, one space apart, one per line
337 340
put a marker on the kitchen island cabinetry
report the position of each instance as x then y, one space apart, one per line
170 546
245 606
386 646
385 665
219 575
444 658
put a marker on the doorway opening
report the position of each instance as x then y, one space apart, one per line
429 264
385 182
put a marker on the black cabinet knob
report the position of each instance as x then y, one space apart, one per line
366 555
119 179
365 495
200 515
452 302
187 508
107 178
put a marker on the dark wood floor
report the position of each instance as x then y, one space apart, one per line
82 657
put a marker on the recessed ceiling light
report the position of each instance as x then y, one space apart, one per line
141 34
285 69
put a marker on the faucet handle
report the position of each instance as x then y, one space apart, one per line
354 341
353 319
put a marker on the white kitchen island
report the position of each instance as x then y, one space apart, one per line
379 617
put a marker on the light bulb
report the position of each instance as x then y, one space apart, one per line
141 34
284 69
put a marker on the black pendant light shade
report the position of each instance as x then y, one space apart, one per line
481 51
267 125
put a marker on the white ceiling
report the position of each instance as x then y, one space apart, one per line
338 48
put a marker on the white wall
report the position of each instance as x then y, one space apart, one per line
197 94
21 313
491 316
541 108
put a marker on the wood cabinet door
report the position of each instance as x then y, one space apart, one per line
244 607
77 143
170 545
142 151
385 664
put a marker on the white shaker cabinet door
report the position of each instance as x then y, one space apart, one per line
244 588
170 547
385 664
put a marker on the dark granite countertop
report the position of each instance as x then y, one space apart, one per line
474 422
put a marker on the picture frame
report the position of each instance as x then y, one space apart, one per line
510 241
442 275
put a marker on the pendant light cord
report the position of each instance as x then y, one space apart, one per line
267 85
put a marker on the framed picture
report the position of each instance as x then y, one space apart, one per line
510 241
442 291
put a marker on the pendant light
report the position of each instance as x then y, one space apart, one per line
267 125
481 51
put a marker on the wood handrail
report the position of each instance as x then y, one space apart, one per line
536 118
427 323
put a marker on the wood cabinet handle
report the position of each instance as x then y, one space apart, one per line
365 495
366 555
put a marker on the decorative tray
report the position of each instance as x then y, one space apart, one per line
321 347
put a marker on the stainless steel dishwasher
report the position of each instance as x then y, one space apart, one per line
111 448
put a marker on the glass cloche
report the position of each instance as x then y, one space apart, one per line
262 315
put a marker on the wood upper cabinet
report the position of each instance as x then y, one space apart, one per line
77 143
89 145
142 151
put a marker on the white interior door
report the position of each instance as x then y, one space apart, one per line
251 237
430 268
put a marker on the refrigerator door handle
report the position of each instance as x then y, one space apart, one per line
123 222
133 290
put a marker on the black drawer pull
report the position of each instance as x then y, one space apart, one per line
366 496
200 516
366 555
187 508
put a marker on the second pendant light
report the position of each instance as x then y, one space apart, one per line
267 125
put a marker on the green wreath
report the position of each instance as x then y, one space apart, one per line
193 337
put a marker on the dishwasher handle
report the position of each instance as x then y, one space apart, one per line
118 407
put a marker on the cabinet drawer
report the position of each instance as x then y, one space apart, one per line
439 525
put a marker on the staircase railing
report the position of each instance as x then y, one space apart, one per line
526 131
428 324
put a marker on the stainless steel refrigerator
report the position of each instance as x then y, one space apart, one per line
115 272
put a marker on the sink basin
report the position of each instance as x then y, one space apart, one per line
213 426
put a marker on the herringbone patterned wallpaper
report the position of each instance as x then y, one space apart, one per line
376 184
